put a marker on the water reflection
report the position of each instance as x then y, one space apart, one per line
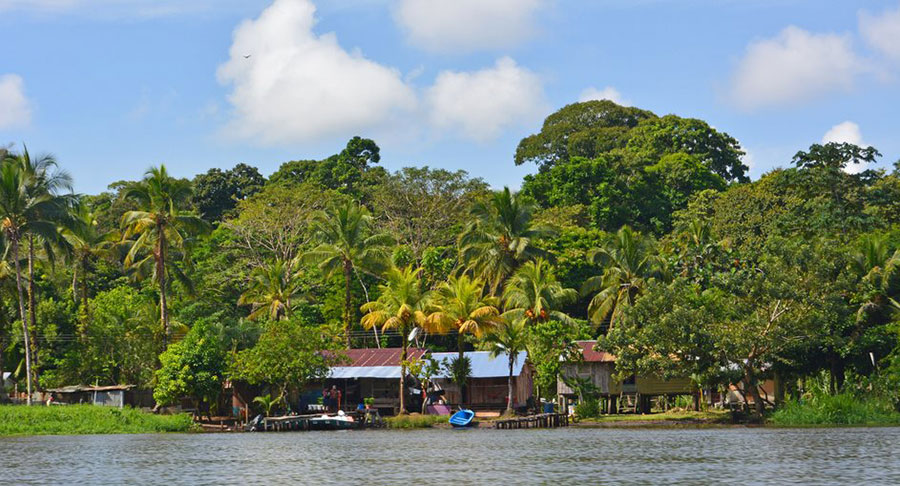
588 456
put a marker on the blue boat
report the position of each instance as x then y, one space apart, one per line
463 418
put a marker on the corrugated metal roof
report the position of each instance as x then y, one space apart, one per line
379 357
483 366
364 372
593 356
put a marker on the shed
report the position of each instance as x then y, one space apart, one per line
110 396
599 366
487 385
368 372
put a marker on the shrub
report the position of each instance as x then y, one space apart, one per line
588 409
841 409
414 421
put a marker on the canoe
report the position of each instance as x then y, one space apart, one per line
463 418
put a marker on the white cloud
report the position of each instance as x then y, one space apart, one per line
607 93
795 66
481 104
298 86
846 132
15 109
467 25
882 32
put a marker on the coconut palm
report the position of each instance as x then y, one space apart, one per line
348 245
510 338
29 208
461 305
533 295
401 306
628 262
162 230
500 238
272 291
86 243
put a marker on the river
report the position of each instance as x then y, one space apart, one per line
439 456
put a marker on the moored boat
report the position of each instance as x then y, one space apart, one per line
462 418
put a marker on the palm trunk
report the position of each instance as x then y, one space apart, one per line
509 385
84 292
348 268
21 293
460 348
161 276
31 309
403 378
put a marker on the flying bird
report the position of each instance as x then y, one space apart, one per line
247 56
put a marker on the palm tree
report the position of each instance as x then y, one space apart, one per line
272 290
401 306
348 245
162 229
461 305
500 238
628 262
533 295
29 208
510 338
86 243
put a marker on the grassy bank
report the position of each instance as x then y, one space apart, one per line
415 421
843 409
678 417
86 419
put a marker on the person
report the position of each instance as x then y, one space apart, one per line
326 398
336 397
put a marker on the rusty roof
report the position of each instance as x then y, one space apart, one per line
592 355
379 357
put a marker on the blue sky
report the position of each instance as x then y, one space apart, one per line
114 86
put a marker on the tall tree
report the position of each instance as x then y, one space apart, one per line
460 305
402 305
87 243
162 229
509 338
272 290
534 295
500 238
29 208
347 245
628 262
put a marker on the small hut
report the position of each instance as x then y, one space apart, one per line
109 396
598 367
487 386
368 372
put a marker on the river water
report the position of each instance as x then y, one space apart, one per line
438 456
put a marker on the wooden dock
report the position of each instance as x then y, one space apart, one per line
540 421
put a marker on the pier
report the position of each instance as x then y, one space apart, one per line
540 421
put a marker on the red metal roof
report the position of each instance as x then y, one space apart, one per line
594 356
379 357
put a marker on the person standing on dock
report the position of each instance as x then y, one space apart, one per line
336 397
326 399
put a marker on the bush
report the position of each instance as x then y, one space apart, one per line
841 409
589 408
86 419
414 421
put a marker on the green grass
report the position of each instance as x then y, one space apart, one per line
415 421
86 419
843 409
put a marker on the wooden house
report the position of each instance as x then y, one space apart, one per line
599 367
487 387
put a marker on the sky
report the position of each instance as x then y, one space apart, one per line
112 87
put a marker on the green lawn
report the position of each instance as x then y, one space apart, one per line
86 419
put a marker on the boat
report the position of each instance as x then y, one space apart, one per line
341 421
462 418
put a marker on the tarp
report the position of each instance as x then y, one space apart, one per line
483 366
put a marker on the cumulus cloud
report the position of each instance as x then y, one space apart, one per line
846 132
467 25
882 32
607 93
795 66
298 86
15 109
481 104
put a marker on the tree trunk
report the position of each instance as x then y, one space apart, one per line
403 378
779 389
348 269
15 247
837 374
161 276
460 348
84 292
509 386
32 317
751 388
